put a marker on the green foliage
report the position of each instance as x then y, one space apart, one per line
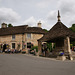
49 46
73 27
73 43
35 47
45 30
10 25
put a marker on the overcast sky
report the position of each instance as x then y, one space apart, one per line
30 12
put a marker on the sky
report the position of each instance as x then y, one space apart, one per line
30 12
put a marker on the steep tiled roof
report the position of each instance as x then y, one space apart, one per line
59 30
20 30
35 30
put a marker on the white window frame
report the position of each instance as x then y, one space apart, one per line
29 35
13 37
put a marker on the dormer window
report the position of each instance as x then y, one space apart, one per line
13 37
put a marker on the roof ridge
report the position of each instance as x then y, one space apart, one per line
14 26
62 26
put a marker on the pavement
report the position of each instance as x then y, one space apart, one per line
24 64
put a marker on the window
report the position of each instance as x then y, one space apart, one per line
13 37
13 45
29 45
28 35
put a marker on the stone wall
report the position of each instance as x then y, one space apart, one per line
8 40
34 38
19 39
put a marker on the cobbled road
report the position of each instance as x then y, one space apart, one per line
20 64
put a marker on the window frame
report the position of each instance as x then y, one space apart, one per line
13 37
14 45
29 35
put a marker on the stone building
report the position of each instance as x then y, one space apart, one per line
22 36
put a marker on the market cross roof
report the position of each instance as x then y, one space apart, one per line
59 30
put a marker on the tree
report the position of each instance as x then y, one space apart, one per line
45 30
10 25
73 27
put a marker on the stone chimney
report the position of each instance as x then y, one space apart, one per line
4 25
39 24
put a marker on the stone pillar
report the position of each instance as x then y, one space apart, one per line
52 45
69 50
68 44
67 47
39 48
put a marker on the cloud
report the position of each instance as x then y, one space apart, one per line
52 15
8 15
37 9
45 24
66 7
42 4
30 21
33 22
0 0
45 3
67 12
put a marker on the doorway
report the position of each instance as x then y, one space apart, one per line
13 45
4 47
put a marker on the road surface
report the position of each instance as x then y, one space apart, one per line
20 64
